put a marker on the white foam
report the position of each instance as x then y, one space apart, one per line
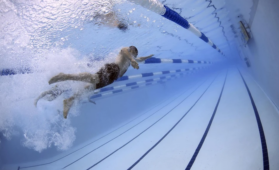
33 37
44 126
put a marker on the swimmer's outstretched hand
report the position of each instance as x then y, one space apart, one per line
135 64
141 59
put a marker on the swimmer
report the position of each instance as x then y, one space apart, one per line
111 20
105 76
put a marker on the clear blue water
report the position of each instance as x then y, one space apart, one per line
49 37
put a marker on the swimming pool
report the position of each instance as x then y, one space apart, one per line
194 105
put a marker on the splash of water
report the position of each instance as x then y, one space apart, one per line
32 36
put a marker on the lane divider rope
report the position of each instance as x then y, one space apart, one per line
163 10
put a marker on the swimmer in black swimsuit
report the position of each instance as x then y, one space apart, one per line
105 76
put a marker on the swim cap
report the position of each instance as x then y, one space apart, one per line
134 49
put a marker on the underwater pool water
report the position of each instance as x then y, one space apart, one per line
189 107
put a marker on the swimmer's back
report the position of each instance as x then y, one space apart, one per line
107 75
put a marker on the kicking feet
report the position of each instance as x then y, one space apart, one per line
68 103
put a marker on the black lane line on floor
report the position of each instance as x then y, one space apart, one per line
124 131
170 129
190 164
260 126
32 166
146 128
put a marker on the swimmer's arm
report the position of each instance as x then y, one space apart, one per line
129 56
50 92
41 96
141 59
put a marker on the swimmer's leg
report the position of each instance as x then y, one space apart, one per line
68 103
85 77
41 96
52 94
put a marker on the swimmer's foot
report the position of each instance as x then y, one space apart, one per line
36 102
57 78
68 103
91 101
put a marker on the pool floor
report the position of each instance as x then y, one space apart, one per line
212 125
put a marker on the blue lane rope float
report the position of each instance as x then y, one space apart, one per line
127 88
175 17
154 60
135 83
165 11
176 72
130 86
156 73
8 72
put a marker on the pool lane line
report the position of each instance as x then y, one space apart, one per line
134 126
135 85
260 127
177 74
190 164
154 60
149 74
132 166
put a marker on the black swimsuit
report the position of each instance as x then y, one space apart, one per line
107 75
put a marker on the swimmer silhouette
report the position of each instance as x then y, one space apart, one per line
111 20
105 76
